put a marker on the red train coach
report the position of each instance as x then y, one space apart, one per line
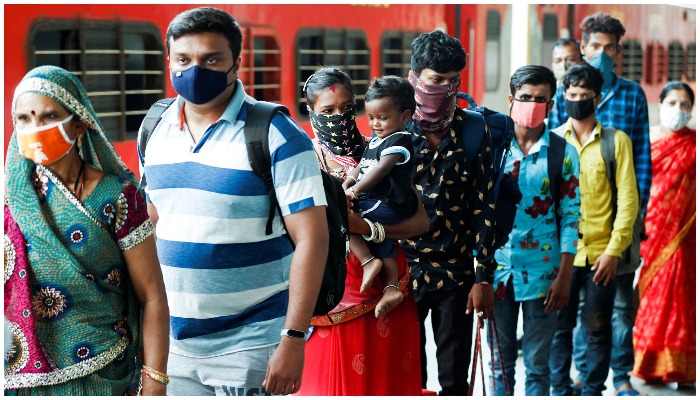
117 50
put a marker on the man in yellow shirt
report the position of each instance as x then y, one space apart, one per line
605 229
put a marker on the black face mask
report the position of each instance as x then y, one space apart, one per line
581 109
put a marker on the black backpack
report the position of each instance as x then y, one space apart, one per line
506 192
555 163
256 132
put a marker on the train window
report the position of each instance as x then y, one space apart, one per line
120 63
690 64
676 64
631 61
656 64
493 48
550 34
396 53
260 69
343 48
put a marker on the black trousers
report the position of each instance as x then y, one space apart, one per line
452 330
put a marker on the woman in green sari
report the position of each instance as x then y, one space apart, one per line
84 294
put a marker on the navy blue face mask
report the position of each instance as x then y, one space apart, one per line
200 85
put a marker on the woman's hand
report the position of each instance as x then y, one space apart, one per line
144 271
151 387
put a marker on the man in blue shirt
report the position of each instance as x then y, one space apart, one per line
535 266
624 106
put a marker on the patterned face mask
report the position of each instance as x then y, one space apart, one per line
435 105
339 132
45 144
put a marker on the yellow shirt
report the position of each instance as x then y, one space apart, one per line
600 233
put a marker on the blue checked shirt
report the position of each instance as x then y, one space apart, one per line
624 107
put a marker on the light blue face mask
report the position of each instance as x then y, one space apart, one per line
603 63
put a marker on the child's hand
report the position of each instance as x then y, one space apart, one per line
349 200
350 194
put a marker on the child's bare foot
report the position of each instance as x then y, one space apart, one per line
371 270
391 298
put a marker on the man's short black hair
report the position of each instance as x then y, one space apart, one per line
206 19
437 51
324 78
602 23
585 76
533 75
398 89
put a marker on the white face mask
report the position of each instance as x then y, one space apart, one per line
673 118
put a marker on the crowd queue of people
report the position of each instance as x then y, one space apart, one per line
96 305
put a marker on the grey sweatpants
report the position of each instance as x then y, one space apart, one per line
236 374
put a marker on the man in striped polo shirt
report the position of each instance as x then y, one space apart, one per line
231 289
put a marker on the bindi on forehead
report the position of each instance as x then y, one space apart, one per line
332 89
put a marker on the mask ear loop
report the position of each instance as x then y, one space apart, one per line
80 137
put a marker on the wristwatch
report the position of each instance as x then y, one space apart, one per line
293 333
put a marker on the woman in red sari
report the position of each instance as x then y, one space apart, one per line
664 333
351 352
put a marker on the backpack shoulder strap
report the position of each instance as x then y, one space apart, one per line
607 147
150 122
555 163
473 131
256 132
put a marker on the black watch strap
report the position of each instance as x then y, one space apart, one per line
293 333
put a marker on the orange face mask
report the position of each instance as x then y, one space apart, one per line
45 144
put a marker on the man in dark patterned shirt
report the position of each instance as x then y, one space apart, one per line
458 196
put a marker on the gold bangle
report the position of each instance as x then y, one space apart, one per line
483 283
155 375
381 235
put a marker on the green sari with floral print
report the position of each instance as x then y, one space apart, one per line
85 335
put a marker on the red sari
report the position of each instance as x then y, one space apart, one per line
352 353
664 333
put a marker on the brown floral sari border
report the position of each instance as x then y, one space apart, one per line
358 310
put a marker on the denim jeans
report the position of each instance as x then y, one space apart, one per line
538 327
624 313
596 317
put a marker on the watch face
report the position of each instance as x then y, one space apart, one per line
294 333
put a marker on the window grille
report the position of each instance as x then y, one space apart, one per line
260 70
632 60
690 64
396 53
121 65
676 61
341 48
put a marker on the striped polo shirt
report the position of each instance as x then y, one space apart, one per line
227 282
